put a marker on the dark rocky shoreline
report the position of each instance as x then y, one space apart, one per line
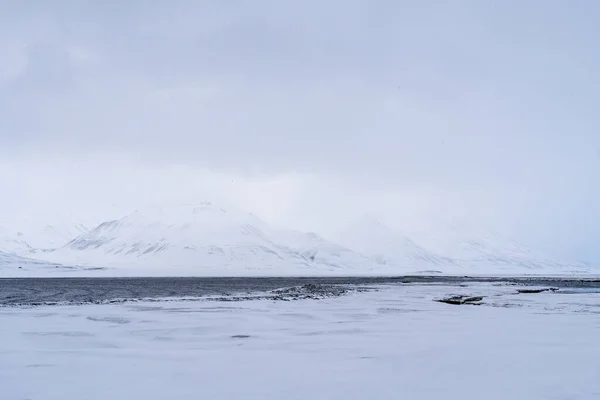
78 291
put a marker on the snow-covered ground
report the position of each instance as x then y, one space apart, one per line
392 343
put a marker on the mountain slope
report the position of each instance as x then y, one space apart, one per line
200 239
14 242
53 236
30 235
207 239
318 250
452 248
388 247
487 250
10 263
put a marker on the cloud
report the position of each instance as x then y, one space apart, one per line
316 112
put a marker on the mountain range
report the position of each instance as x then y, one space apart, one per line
209 239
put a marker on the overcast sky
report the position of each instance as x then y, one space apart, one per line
309 113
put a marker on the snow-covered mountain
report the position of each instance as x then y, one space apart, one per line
208 239
13 242
321 251
485 249
30 235
388 247
204 238
52 236
452 248
12 263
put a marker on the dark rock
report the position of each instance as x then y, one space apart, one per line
305 292
459 300
537 290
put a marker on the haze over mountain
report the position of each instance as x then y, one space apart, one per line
38 232
308 113
12 241
207 238
458 248
388 247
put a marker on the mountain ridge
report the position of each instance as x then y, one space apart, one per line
207 237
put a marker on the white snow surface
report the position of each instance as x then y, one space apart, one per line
392 344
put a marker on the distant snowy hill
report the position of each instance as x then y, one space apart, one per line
321 251
455 248
10 264
33 234
55 236
482 249
204 238
209 239
388 247
12 241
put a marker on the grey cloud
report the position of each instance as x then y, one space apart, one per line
452 99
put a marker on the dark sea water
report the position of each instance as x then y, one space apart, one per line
41 291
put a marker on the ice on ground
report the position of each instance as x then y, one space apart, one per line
394 343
